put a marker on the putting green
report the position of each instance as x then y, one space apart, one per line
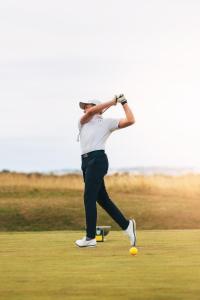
47 265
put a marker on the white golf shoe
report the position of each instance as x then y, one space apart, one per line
84 243
131 232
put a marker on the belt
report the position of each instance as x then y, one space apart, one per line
92 153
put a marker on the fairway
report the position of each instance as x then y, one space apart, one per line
47 265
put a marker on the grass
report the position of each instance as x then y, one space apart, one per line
47 266
36 202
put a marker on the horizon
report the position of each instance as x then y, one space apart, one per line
136 170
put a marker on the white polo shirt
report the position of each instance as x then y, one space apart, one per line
93 135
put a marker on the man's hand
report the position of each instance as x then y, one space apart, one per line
114 100
120 99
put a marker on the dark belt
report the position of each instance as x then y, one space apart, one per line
93 153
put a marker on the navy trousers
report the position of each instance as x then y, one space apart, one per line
94 167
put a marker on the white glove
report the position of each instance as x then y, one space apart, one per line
121 99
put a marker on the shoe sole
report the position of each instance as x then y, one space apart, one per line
90 246
134 231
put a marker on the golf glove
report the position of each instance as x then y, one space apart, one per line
121 99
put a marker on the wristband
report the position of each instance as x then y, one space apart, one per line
124 102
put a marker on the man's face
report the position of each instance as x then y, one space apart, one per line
87 106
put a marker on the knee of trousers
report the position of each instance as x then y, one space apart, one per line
104 201
90 195
90 199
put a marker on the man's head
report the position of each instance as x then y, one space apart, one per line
85 105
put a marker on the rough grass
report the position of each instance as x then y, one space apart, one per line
41 202
47 266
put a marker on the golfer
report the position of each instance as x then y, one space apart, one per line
94 131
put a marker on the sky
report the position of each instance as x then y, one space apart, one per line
54 54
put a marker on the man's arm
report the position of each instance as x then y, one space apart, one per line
95 110
129 120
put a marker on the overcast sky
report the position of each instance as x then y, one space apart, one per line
55 53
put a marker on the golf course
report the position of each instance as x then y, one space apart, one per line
99 150
47 266
42 215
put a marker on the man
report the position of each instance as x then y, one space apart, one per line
94 131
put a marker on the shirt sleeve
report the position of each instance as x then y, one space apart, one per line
113 124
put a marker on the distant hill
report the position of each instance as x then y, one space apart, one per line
139 170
